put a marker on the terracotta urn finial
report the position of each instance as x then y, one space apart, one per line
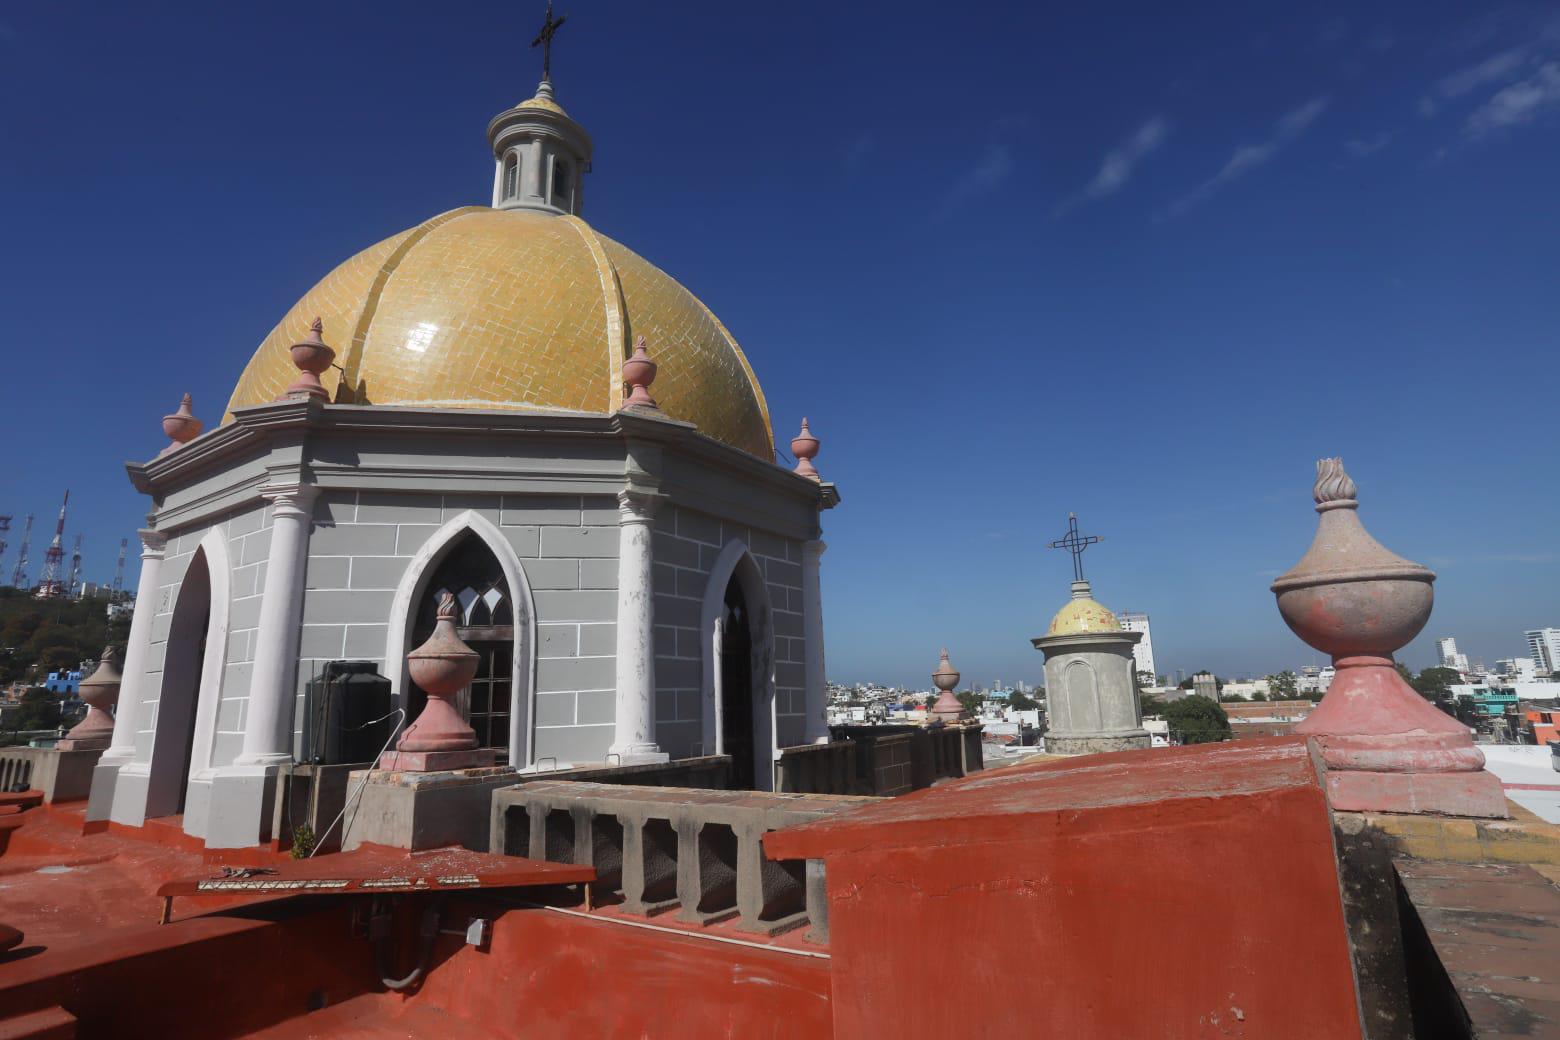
805 447
312 357
639 372
182 426
441 668
101 692
945 678
1385 747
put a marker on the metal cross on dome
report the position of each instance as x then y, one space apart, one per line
1075 543
544 40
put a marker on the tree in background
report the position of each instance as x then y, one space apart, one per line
40 709
1283 686
1197 720
1435 685
38 636
1022 702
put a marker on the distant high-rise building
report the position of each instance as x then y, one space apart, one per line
1544 648
1143 653
1446 650
1518 669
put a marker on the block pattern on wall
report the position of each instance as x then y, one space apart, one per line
687 544
248 534
362 543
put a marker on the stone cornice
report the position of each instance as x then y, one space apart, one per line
288 437
1086 640
537 122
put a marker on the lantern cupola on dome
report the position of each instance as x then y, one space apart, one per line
542 155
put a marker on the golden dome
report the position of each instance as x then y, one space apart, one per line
1083 614
545 103
514 309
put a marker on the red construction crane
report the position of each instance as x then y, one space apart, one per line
49 585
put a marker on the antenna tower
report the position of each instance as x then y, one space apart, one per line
119 568
19 575
5 527
75 567
49 584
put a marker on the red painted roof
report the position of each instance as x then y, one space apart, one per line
970 808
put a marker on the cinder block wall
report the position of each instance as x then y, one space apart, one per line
248 537
362 544
687 544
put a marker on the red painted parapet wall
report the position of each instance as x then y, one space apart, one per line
553 974
1189 892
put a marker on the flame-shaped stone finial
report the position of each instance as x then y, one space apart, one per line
442 667
311 356
945 678
639 372
1333 488
1385 747
100 691
805 447
182 426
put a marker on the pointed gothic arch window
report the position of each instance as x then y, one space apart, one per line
472 574
511 175
562 185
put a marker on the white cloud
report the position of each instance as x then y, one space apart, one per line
1518 103
1360 147
995 166
1247 157
1494 69
1117 167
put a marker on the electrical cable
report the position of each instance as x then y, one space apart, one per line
355 795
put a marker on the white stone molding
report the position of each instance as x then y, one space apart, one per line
219 565
127 715
213 670
268 721
817 694
736 560
634 715
403 615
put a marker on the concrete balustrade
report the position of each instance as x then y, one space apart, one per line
62 776
658 848
16 768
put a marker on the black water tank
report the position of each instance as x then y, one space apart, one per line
349 702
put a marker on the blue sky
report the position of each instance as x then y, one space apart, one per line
1144 263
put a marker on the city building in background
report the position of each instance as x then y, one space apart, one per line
1544 647
1518 669
1143 653
1447 655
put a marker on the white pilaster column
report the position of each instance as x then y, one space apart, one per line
268 724
817 693
634 721
127 715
